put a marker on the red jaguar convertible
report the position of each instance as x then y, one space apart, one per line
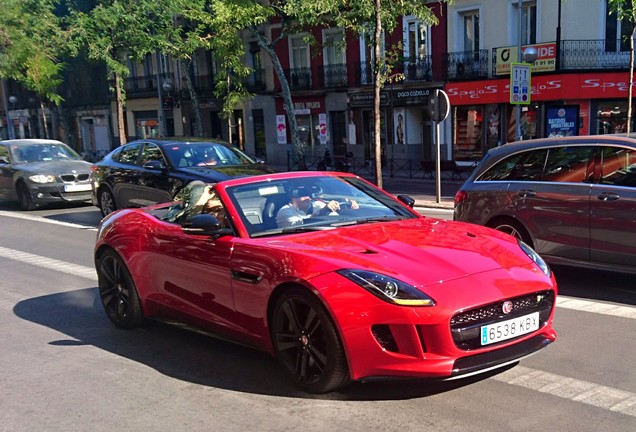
337 279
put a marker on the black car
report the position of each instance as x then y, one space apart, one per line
150 171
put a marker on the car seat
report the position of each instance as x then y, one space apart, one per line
273 203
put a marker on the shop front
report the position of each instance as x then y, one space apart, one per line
561 105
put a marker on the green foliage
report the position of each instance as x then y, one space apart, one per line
31 42
623 8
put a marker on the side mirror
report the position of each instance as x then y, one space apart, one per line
406 200
205 224
155 165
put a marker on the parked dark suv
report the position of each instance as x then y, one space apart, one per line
572 199
151 171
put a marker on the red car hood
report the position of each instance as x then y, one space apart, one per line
425 251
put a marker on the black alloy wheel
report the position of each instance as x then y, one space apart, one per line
106 202
24 197
307 343
117 291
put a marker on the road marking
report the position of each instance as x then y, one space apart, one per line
49 263
45 220
597 395
585 392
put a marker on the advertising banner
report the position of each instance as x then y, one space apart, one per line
281 129
562 121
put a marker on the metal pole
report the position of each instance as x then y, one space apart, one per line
438 177
160 96
519 59
10 130
558 39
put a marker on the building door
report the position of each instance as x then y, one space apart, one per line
338 132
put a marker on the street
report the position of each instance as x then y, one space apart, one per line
65 367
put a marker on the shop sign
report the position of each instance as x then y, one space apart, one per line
411 96
546 60
366 99
562 121
322 128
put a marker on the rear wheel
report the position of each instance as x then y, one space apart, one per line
513 228
24 197
106 202
307 343
118 292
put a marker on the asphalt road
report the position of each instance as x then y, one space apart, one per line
64 367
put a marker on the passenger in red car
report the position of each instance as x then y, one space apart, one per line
303 204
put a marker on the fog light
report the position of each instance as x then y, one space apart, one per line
383 335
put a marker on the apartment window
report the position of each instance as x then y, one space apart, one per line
417 40
367 55
299 52
471 30
617 32
334 51
528 22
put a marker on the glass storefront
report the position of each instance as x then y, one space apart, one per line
610 117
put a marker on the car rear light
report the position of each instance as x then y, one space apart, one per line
460 196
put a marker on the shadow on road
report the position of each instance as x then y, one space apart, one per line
196 358
596 285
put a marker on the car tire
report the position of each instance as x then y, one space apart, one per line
306 342
24 197
118 292
514 228
106 202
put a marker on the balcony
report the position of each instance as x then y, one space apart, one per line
255 81
144 86
299 78
594 55
419 69
334 75
467 65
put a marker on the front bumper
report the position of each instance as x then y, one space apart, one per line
57 192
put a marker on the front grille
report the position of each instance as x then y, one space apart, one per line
465 326
69 178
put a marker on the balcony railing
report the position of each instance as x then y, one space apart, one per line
255 81
145 85
299 78
334 75
467 65
419 69
594 54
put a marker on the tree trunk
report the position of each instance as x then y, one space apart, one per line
119 100
377 85
186 66
44 124
287 99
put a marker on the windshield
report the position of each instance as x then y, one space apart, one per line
312 203
205 154
42 152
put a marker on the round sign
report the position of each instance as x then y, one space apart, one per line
438 106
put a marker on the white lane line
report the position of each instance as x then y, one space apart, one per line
45 220
596 307
49 263
597 395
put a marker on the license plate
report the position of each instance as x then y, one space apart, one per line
508 329
77 188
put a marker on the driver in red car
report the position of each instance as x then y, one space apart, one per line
302 205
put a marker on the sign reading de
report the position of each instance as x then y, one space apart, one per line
520 84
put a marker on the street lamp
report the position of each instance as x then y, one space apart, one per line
13 100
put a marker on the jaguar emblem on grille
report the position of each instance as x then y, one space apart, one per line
506 308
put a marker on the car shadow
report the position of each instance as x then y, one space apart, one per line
596 285
90 217
198 358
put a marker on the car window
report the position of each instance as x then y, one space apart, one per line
525 166
4 154
128 154
618 166
151 152
569 164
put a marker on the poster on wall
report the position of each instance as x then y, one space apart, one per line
281 129
562 121
400 127
322 128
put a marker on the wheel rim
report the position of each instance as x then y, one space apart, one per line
114 289
107 203
24 198
509 229
301 344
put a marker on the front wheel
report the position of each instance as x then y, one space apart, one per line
24 197
118 292
513 228
106 202
307 343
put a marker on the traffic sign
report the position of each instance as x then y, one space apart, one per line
438 106
520 75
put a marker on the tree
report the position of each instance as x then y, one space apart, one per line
624 9
114 31
365 17
31 43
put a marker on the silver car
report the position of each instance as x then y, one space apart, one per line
42 171
572 199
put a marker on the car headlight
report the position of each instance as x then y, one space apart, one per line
42 178
387 288
536 258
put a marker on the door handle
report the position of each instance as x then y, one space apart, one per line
524 193
608 196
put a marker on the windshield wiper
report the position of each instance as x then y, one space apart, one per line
361 221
